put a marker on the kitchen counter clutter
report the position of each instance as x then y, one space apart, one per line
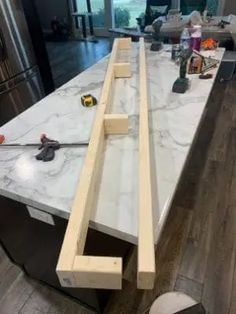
50 187
173 30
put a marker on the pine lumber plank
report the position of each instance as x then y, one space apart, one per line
98 272
146 251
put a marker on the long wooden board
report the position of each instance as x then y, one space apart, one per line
146 251
74 269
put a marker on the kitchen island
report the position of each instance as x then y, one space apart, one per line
36 197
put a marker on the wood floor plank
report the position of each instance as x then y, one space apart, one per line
224 122
233 205
168 253
21 295
230 100
4 262
8 273
17 295
194 261
219 143
48 301
221 259
64 305
215 184
219 273
189 287
8 278
38 302
233 295
2 254
210 185
195 252
68 59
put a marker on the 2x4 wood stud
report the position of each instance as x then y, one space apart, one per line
146 251
75 269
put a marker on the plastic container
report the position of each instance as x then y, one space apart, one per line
185 39
196 37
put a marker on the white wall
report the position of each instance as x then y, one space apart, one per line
47 9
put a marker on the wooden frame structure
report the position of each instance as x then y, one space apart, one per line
146 246
75 269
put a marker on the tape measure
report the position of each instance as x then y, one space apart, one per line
88 100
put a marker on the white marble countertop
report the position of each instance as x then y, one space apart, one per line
50 187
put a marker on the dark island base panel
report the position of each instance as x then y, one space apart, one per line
35 246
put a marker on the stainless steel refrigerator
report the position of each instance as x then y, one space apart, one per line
20 82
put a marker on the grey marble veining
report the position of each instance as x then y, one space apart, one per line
174 119
51 186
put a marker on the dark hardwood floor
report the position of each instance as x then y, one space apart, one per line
196 252
68 59
21 295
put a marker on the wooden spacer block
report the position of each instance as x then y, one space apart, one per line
124 43
98 272
122 70
116 123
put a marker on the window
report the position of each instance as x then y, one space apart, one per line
126 12
212 6
187 6
98 10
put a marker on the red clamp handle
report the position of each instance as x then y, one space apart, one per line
2 138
